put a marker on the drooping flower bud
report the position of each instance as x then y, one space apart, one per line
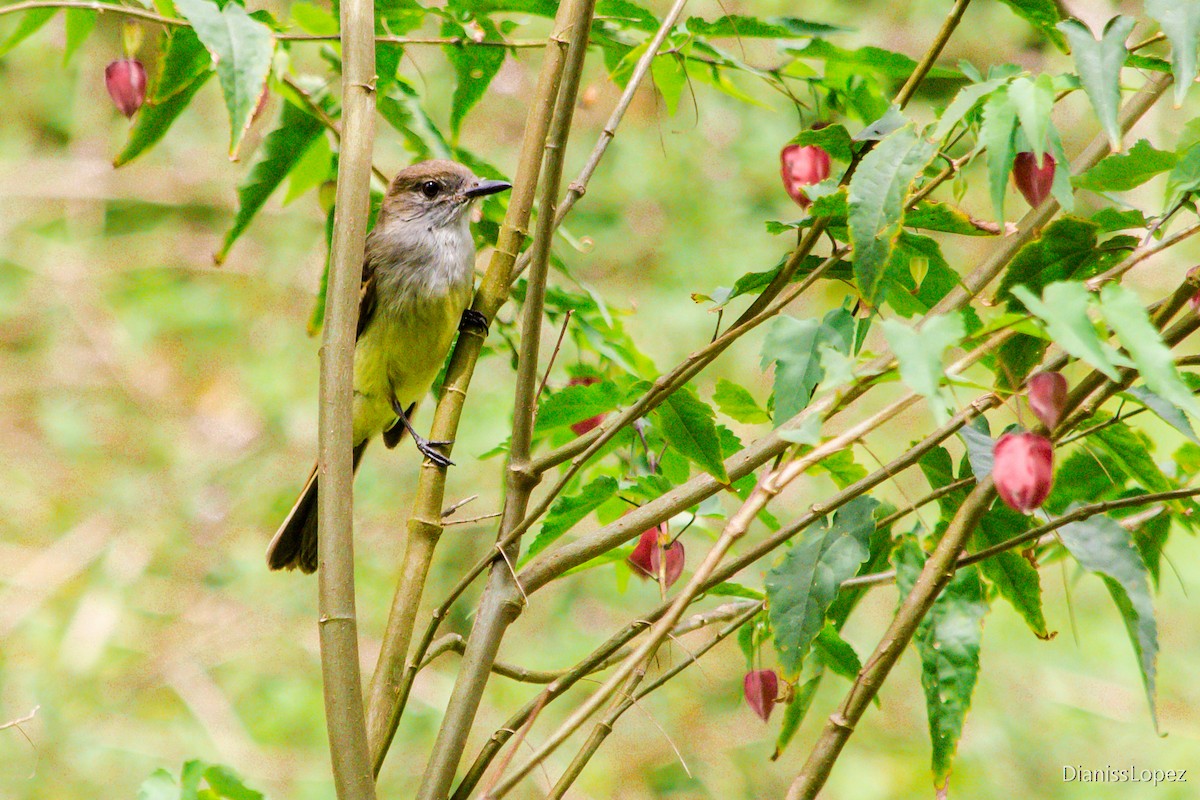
800 166
761 688
646 560
1023 470
1047 396
1032 180
585 425
126 83
1194 300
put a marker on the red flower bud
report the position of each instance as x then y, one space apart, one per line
800 166
1047 395
646 558
1023 470
761 688
585 425
1033 181
126 83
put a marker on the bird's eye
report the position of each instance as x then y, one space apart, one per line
430 189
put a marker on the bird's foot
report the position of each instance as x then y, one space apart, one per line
472 320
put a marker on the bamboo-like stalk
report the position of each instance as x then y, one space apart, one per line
425 524
344 715
500 603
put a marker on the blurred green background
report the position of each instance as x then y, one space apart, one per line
159 414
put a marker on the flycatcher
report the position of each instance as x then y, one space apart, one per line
418 277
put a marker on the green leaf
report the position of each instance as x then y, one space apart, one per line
243 48
670 77
569 510
946 218
948 641
794 712
575 403
920 351
938 469
803 586
1013 576
743 27
1102 546
912 254
282 150
31 22
966 99
980 447
892 120
738 404
1127 317
997 134
1041 14
834 139
402 109
1060 253
687 425
1121 172
1185 177
836 653
793 346
1131 452
474 67
1033 101
314 168
184 68
227 785
1064 311
1099 66
879 192
872 60
79 25
1180 21
1166 411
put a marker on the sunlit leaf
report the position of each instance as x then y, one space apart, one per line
1063 309
920 351
737 403
474 67
1121 172
31 22
1180 21
575 403
1033 101
1167 411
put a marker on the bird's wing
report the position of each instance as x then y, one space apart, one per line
366 297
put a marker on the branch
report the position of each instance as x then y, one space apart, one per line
501 600
931 55
388 692
338 630
934 576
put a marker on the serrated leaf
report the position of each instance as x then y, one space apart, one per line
1121 172
919 352
803 586
879 192
243 48
1013 576
1102 546
1063 309
1124 313
1180 21
1166 411
475 67
575 403
744 27
997 133
1060 253
737 403
1185 176
834 139
948 641
568 510
793 346
154 118
687 425
966 99
1033 101
947 218
1099 66
1043 15
282 149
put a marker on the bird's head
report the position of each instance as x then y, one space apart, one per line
435 192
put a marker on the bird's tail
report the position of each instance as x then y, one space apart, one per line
295 543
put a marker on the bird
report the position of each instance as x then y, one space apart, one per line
417 281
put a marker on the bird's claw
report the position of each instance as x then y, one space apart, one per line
427 446
472 320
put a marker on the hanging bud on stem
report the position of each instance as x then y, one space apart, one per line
1023 470
1047 396
1033 181
800 166
125 80
761 688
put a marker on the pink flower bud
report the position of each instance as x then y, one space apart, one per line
800 166
761 688
126 83
1047 395
1023 470
646 558
1194 300
1033 181
585 425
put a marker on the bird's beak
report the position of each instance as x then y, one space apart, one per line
485 188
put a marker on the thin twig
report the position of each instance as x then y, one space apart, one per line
554 354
